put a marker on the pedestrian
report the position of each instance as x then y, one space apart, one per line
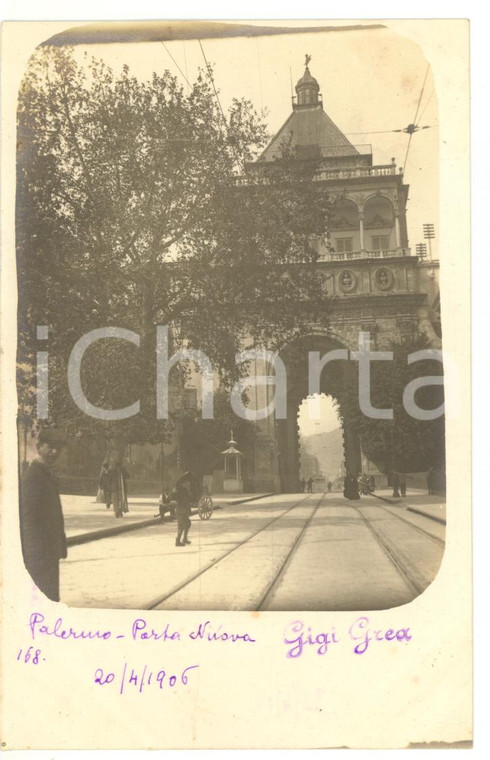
187 492
430 482
396 484
105 484
118 477
302 484
403 484
372 484
351 487
329 486
363 484
166 504
42 529
309 484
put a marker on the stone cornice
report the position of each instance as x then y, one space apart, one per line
379 301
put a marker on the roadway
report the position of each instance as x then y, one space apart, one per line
279 552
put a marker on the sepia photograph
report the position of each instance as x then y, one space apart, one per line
230 362
236 389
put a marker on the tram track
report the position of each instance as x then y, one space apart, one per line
419 529
272 585
401 565
314 550
156 602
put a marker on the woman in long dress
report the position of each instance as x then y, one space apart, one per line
119 494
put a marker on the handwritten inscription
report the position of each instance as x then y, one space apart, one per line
140 679
361 632
299 637
207 632
40 628
34 656
140 631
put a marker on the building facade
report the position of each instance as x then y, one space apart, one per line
376 283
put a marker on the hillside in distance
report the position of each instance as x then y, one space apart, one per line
328 449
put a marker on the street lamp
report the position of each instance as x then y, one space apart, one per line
429 234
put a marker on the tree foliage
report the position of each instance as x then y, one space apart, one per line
131 213
403 444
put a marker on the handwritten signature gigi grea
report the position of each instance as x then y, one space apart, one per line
298 637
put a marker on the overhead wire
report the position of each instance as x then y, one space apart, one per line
382 132
415 117
211 78
421 94
414 125
406 154
425 108
208 69
175 62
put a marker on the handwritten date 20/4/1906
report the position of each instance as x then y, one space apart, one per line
131 678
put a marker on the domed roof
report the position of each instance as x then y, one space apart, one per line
308 80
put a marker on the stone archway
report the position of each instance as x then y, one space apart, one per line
334 377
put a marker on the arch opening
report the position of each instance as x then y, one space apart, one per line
379 224
333 380
321 450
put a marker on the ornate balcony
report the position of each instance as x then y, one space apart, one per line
356 255
385 170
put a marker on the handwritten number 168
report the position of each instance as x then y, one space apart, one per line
29 655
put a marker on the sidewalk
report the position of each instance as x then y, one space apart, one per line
87 521
417 501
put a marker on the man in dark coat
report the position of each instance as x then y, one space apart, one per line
351 487
187 491
41 517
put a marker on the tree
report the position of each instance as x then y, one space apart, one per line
203 441
131 213
403 444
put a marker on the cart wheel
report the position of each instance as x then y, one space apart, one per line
205 507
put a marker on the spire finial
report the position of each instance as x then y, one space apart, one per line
307 60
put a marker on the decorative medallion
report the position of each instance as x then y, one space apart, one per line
406 324
384 278
347 281
370 326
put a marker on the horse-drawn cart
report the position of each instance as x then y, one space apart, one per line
168 504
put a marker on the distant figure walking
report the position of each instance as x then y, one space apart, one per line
309 484
329 486
105 484
302 484
403 484
41 517
430 482
187 492
372 484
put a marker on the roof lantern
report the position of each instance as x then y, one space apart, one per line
307 88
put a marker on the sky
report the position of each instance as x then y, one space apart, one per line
371 82
317 414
